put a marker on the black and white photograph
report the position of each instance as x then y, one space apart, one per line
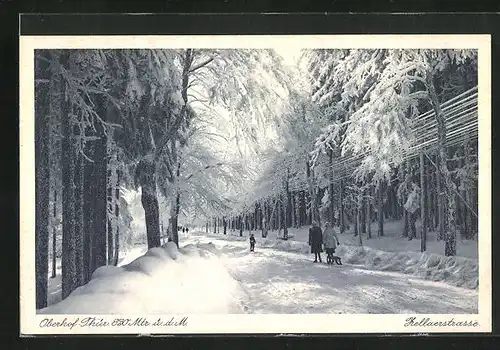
279 176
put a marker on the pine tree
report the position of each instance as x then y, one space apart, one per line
42 184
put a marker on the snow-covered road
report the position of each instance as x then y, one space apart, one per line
286 282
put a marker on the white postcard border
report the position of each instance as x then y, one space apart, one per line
269 323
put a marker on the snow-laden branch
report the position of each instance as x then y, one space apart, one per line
201 65
205 168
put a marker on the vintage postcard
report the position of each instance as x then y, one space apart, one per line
255 184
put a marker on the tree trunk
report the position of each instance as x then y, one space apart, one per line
69 274
265 216
423 205
406 227
261 214
79 223
369 214
465 194
54 238
285 220
88 211
380 191
313 196
117 216
295 209
113 198
256 216
241 226
394 204
358 216
110 246
430 207
440 201
288 205
444 178
42 182
54 165
149 202
474 222
302 208
356 221
412 231
175 221
341 214
99 199
278 214
330 192
437 209
362 213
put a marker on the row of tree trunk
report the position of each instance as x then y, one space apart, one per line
89 191
375 204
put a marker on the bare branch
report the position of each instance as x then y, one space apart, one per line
201 65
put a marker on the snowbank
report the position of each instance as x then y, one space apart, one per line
163 281
454 270
457 271
54 285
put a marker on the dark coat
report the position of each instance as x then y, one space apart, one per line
315 239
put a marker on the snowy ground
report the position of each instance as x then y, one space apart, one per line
280 277
279 281
391 253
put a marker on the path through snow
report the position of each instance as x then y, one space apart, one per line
287 282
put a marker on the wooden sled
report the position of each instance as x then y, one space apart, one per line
333 259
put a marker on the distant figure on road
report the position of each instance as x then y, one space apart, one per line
331 241
187 230
316 241
252 242
183 230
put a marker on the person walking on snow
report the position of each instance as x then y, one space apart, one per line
252 242
316 241
331 241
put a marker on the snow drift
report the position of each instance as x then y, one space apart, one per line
454 270
165 280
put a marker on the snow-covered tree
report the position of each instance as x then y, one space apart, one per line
383 92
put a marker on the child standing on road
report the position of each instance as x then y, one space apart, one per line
331 241
252 242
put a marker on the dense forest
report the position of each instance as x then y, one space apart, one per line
346 136
382 134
